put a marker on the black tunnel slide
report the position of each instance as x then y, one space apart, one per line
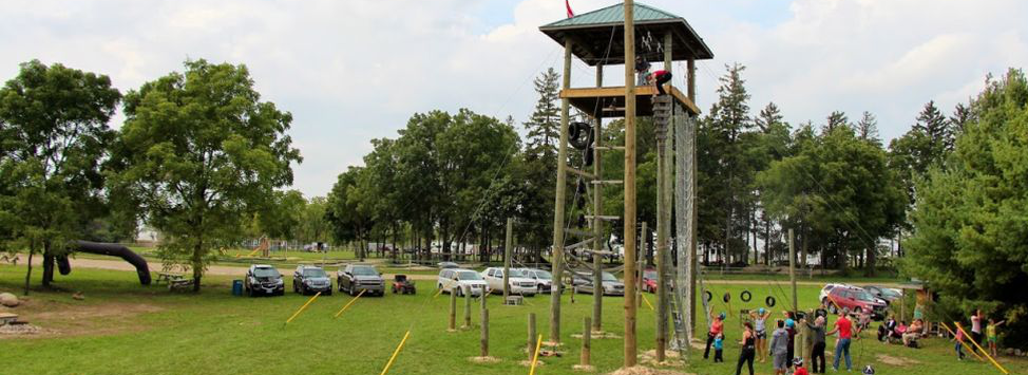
111 249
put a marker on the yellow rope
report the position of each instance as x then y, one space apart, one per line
980 348
350 303
955 335
393 358
535 357
303 307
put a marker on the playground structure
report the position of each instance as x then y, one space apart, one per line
596 38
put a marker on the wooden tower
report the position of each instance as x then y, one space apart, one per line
598 38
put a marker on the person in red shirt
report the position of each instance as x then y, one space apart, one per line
842 346
716 328
659 78
800 370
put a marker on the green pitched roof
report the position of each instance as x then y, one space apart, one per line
614 14
597 38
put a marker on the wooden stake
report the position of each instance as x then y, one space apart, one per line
467 306
507 248
531 333
485 333
630 212
586 342
557 258
453 311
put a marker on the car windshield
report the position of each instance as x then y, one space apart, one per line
515 273
543 275
609 277
652 275
469 275
863 295
313 272
265 272
886 292
364 271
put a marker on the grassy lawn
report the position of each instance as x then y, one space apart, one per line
122 327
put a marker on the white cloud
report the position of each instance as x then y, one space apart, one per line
355 70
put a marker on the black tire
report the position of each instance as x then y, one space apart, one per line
746 296
708 295
770 301
727 297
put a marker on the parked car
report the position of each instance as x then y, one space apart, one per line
650 280
886 294
611 286
519 284
263 279
856 300
543 279
458 278
308 278
357 277
445 265
823 296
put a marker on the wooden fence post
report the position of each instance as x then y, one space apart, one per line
531 334
467 306
586 342
453 311
485 333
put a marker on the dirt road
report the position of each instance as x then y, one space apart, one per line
118 265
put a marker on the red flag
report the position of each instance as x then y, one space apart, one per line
568 5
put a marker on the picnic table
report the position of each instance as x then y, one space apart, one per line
175 281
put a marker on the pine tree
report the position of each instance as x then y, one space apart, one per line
835 120
544 124
932 123
962 115
768 116
867 128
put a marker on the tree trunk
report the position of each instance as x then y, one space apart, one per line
870 270
48 264
28 274
197 266
767 241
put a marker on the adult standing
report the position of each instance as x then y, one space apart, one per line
817 333
716 328
780 348
976 327
748 349
844 327
790 328
760 327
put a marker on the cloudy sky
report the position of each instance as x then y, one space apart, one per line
355 70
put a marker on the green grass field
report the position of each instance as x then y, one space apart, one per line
124 328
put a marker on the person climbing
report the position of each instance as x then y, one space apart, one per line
992 338
844 327
779 348
817 331
747 353
798 364
659 78
716 328
719 346
642 70
760 326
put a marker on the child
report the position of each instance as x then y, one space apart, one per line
990 332
718 347
779 348
959 346
659 78
798 363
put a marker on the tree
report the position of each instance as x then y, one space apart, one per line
970 241
544 124
54 125
279 216
350 220
836 120
867 128
313 225
200 150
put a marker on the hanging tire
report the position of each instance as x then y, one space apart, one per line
746 296
575 135
708 295
770 301
727 297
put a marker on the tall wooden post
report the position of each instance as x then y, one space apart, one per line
597 320
586 357
557 257
531 334
639 259
792 268
467 306
690 80
453 310
629 218
507 248
484 339
663 218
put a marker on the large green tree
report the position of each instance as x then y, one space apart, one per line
970 238
53 120
201 150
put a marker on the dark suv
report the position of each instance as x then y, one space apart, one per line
311 279
263 279
356 277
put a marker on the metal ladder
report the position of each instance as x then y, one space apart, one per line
679 337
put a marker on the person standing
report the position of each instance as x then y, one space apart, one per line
760 326
719 346
976 327
844 327
747 353
780 348
990 331
642 69
817 333
716 328
790 328
959 344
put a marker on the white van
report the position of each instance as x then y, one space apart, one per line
459 278
519 284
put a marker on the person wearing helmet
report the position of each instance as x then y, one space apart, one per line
717 327
798 364
844 327
760 326
790 327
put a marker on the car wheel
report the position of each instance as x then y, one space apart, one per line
460 292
